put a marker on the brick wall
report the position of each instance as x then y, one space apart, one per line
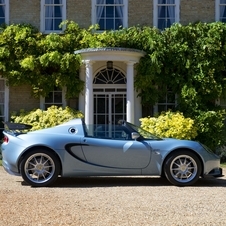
140 12
20 98
80 12
197 10
26 11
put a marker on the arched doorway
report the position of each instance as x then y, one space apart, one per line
109 95
93 59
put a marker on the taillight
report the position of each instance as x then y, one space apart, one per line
5 139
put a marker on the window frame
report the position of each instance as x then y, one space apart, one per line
5 114
125 14
42 18
155 13
165 104
6 11
63 103
217 10
221 101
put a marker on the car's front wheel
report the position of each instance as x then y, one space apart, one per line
182 168
40 167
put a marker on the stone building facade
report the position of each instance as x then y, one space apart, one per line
46 14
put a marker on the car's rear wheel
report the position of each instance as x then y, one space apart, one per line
40 167
182 168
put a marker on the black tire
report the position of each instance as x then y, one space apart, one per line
182 168
40 167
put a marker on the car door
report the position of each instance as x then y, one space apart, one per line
116 152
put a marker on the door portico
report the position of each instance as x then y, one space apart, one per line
93 60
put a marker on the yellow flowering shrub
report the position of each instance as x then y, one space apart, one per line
40 119
170 124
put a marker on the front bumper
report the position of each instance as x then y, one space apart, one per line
217 172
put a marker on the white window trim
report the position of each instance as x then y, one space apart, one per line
7 11
217 10
42 18
155 12
64 102
218 101
221 102
125 14
6 101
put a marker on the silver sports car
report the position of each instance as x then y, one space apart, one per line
123 149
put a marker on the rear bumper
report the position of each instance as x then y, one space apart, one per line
9 170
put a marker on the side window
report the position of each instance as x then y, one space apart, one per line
110 14
167 100
113 132
53 12
4 12
220 8
56 97
166 13
121 133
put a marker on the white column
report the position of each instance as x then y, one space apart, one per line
130 92
89 93
138 108
81 101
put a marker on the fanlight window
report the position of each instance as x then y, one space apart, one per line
110 76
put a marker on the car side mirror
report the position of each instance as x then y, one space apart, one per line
135 135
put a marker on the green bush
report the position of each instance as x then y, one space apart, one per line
170 124
221 151
211 128
40 119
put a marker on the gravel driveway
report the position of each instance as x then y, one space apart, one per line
112 201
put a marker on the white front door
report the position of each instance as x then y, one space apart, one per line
109 93
109 105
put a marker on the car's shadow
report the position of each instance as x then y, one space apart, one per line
87 182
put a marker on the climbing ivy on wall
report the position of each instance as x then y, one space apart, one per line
42 61
190 59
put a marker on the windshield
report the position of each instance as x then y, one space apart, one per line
144 134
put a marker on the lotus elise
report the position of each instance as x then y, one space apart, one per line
75 149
